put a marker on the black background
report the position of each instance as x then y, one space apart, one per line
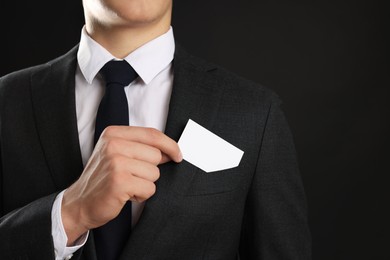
328 61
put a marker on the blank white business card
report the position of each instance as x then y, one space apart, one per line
206 150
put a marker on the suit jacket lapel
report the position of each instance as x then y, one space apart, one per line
53 96
193 96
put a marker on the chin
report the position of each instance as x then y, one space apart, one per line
141 12
128 12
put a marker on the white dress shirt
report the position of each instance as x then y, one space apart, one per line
148 98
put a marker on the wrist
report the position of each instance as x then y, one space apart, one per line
72 219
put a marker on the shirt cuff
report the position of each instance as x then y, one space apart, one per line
58 232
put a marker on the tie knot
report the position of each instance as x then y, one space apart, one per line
119 72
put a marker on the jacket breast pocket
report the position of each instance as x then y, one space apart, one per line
203 183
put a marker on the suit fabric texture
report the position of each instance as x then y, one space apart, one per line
254 211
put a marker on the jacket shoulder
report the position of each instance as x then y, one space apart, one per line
233 84
21 79
241 86
20 76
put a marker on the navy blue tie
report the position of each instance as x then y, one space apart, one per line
114 110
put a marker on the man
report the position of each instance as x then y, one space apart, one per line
60 188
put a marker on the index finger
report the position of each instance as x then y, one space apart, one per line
149 136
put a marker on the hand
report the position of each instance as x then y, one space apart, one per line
123 167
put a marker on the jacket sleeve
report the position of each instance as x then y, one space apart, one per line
25 233
275 224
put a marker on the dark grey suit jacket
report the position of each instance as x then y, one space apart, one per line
254 211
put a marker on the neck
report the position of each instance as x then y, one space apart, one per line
120 41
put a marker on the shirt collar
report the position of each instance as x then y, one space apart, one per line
148 60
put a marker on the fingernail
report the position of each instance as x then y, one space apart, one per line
180 157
